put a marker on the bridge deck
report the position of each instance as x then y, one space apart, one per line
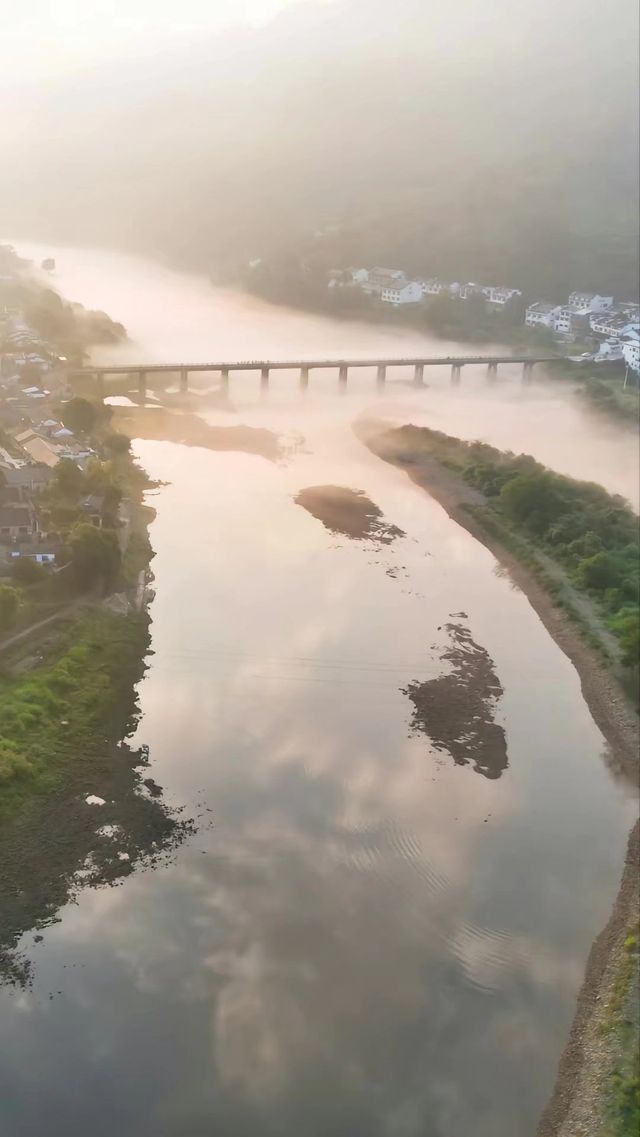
296 365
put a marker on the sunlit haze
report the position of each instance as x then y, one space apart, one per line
319 568
44 39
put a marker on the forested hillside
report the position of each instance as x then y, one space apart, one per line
491 141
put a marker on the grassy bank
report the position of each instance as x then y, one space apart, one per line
62 712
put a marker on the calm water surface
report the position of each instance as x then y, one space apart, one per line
366 940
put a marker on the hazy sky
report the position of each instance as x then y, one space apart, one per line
48 37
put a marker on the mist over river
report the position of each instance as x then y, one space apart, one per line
366 937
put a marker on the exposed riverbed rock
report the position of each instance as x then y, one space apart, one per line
348 512
456 711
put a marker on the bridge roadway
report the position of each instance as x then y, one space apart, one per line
304 366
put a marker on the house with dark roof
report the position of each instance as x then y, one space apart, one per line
93 508
16 521
32 477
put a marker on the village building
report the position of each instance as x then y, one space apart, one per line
380 278
571 323
93 509
591 301
433 287
498 296
541 314
16 521
631 353
402 292
30 478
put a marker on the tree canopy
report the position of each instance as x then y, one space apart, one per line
95 555
9 601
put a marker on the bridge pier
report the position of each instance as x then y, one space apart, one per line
224 378
418 375
492 370
142 384
342 376
527 371
184 380
100 386
304 377
456 371
264 379
381 375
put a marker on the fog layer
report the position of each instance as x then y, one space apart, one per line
495 141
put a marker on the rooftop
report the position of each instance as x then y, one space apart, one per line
543 306
28 475
12 516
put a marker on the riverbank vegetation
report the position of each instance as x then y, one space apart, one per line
621 1029
77 804
68 328
63 711
547 518
601 386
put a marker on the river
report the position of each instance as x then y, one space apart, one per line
363 938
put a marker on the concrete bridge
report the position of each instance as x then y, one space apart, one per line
141 371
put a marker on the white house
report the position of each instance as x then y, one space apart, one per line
380 278
541 314
432 287
607 324
631 353
466 291
590 300
402 292
358 275
571 323
609 350
498 295
614 327
628 308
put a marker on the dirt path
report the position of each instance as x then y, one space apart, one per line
24 634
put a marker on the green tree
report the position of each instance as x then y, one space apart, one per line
533 500
599 572
117 443
95 555
26 571
9 601
68 479
80 415
627 627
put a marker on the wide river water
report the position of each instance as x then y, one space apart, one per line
365 939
